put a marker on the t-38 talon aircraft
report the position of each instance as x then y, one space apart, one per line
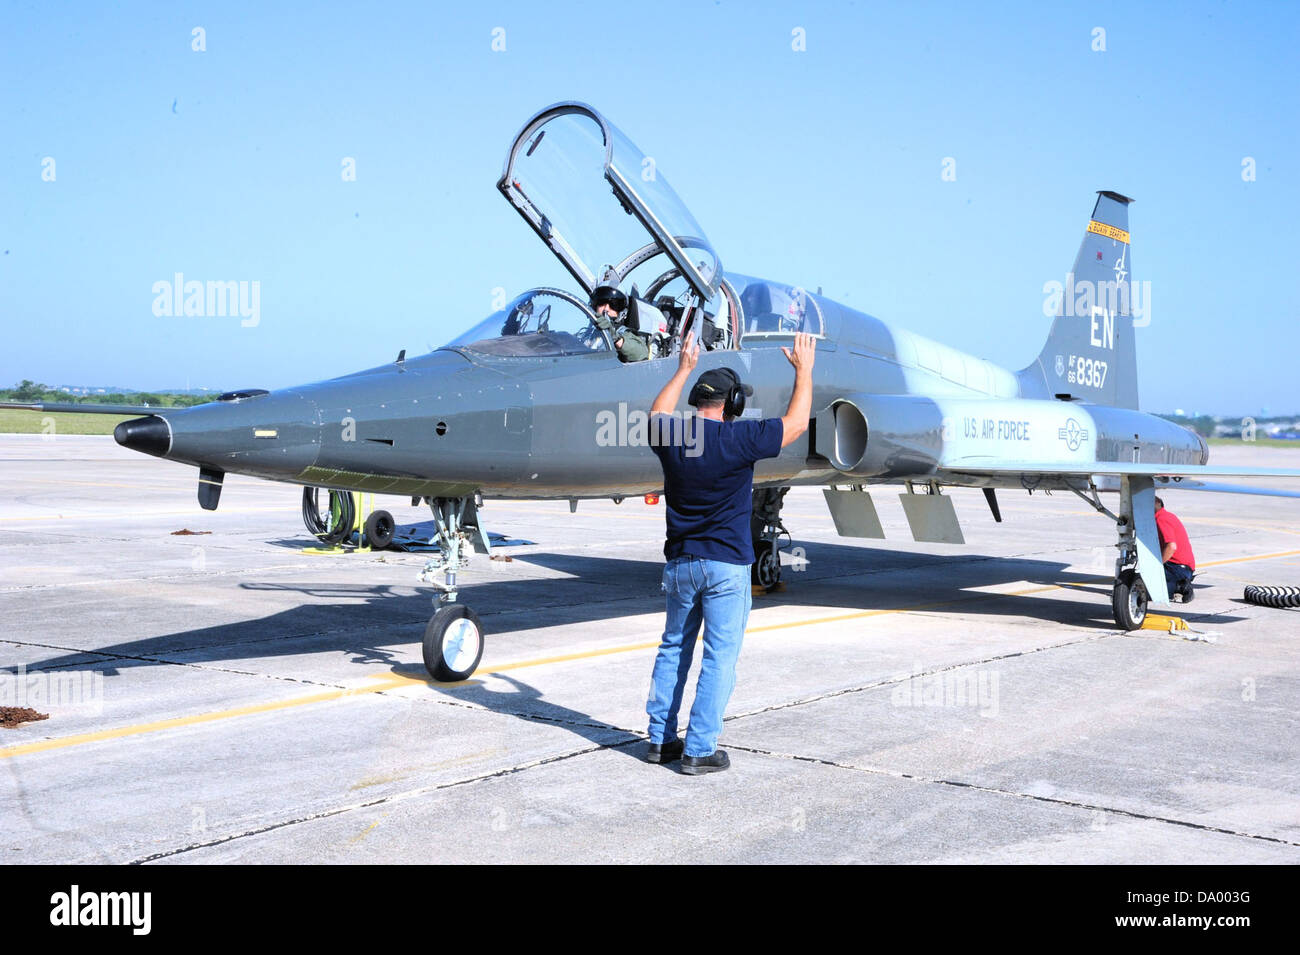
535 402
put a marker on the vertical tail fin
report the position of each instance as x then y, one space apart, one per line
1090 352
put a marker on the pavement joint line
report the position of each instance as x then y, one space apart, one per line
1242 560
859 614
394 680
894 680
384 800
378 684
993 790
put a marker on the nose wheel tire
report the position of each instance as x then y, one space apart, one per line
766 569
453 644
1129 601
379 529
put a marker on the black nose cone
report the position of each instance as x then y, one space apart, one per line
150 435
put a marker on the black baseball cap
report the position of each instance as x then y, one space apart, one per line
715 383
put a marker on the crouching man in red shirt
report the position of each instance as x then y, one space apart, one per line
1176 552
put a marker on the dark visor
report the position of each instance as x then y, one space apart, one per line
609 296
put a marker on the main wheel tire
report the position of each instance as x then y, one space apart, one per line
765 572
1280 597
453 644
1129 601
379 529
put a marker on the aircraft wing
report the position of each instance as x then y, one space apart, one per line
56 407
1179 476
1120 468
1109 483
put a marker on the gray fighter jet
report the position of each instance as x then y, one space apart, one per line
536 402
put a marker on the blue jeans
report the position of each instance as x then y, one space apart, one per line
1177 576
717 595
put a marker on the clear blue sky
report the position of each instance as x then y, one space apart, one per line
819 168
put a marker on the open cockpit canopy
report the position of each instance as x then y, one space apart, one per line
601 204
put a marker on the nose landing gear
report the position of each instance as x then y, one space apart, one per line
453 640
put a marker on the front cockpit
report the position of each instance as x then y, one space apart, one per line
541 322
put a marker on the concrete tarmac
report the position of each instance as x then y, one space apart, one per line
226 697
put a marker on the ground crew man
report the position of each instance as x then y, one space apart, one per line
708 463
1176 552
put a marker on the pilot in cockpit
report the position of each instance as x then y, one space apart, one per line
610 305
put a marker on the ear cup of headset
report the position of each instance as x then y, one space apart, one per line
735 401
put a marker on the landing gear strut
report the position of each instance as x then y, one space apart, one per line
453 640
766 529
1129 597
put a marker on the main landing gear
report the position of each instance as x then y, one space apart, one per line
453 640
1129 596
767 530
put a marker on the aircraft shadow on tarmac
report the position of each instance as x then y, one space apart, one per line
360 620
527 703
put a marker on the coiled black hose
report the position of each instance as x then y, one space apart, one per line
334 526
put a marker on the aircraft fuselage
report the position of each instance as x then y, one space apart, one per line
888 406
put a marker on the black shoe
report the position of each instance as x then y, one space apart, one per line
1186 591
699 765
666 753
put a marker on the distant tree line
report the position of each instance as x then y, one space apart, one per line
31 391
1204 424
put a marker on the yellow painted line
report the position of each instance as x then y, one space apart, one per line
857 615
1261 525
1241 560
390 681
194 720
566 657
366 831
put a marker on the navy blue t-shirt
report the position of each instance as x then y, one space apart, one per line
708 479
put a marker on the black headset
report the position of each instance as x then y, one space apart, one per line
735 404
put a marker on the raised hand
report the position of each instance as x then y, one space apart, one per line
805 349
690 353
